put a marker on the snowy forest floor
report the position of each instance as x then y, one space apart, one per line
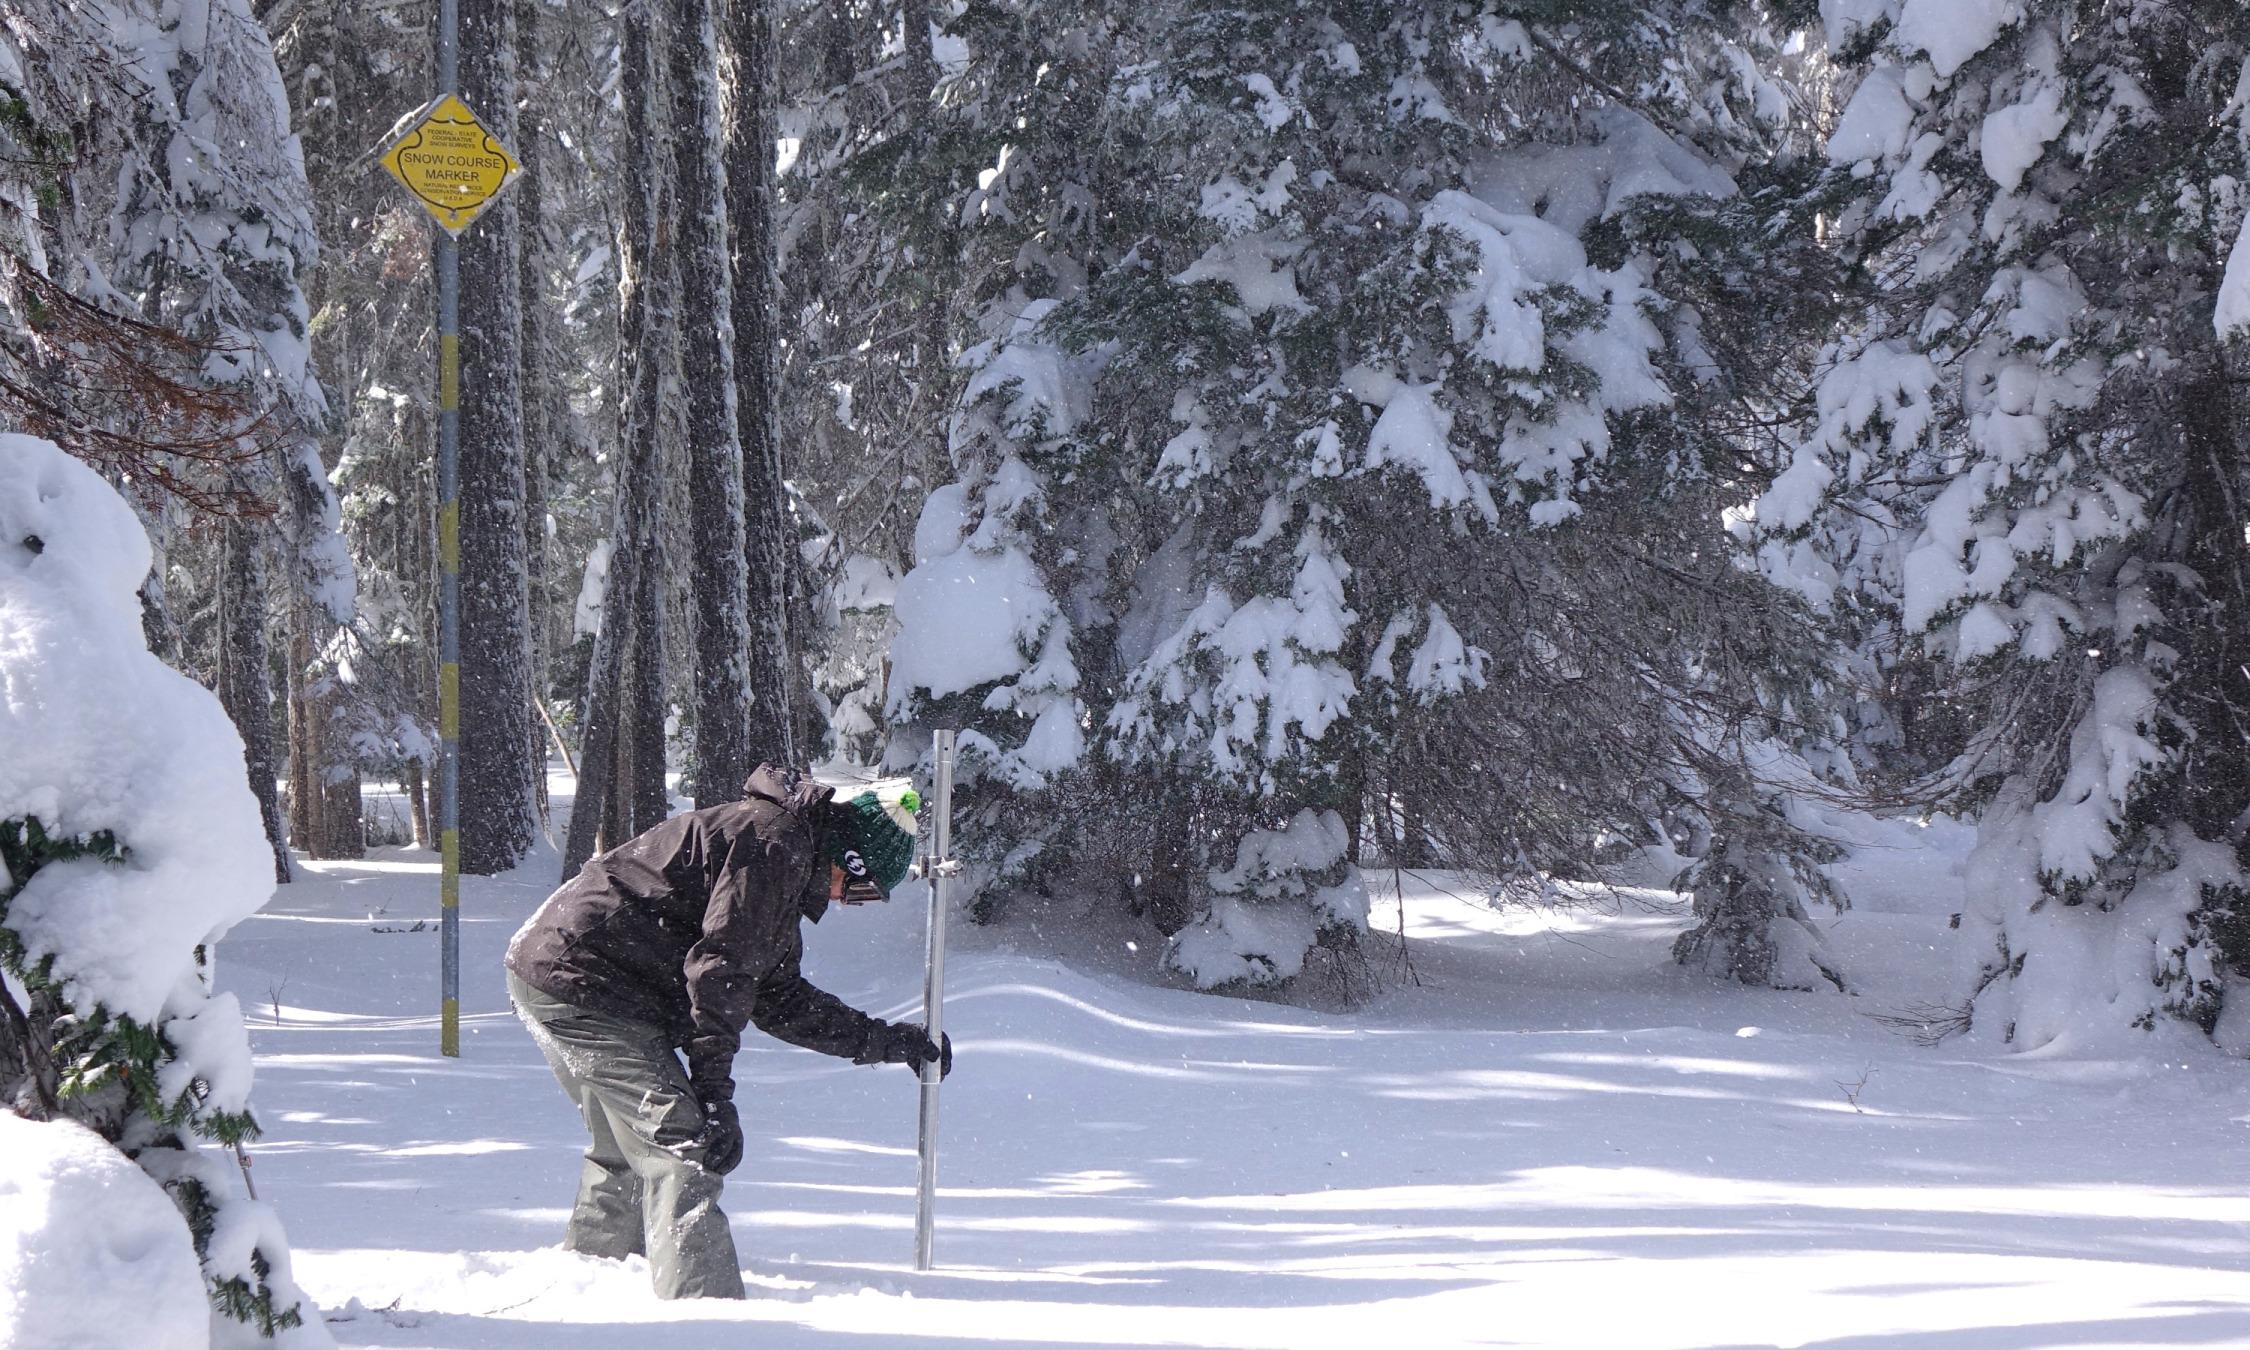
1555 1138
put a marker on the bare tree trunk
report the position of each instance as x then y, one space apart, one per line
934 363
244 686
599 818
343 823
541 431
304 801
592 812
418 804
646 801
326 813
497 788
775 674
721 581
30 1084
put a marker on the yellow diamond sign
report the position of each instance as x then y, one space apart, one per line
451 164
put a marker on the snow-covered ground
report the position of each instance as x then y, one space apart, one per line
1555 1138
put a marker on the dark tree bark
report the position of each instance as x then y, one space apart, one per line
30 1081
303 801
245 689
497 788
418 804
613 721
593 815
720 577
776 678
646 801
343 821
541 356
326 814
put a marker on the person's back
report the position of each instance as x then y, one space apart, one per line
616 937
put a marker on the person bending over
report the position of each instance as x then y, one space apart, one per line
669 944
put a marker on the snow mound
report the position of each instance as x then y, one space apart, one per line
1245 938
103 736
1952 32
965 619
93 1255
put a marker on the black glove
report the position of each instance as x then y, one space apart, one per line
906 1043
721 1139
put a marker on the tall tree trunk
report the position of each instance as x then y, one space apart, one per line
497 790
417 804
304 799
343 822
721 586
326 813
926 456
540 361
775 674
599 816
245 688
593 814
646 802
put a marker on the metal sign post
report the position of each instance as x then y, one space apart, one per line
448 266
454 169
940 869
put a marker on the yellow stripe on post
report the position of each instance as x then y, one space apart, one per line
449 701
449 537
449 880
449 1029
449 373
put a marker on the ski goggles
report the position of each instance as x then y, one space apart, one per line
844 889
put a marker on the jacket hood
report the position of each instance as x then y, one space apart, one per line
804 798
787 787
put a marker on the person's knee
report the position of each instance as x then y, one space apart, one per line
668 1132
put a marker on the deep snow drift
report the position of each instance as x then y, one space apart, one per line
1556 1138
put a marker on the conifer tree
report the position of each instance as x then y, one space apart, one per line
720 585
1318 342
211 236
2027 458
498 760
621 764
775 675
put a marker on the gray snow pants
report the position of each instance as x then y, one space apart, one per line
644 1189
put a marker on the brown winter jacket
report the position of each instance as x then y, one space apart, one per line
693 926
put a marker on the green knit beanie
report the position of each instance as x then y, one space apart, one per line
871 832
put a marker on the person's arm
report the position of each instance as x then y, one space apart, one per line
724 968
791 1008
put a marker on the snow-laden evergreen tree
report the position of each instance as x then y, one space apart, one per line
129 844
869 285
211 234
1345 432
156 279
2027 456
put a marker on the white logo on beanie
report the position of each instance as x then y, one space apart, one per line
853 863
